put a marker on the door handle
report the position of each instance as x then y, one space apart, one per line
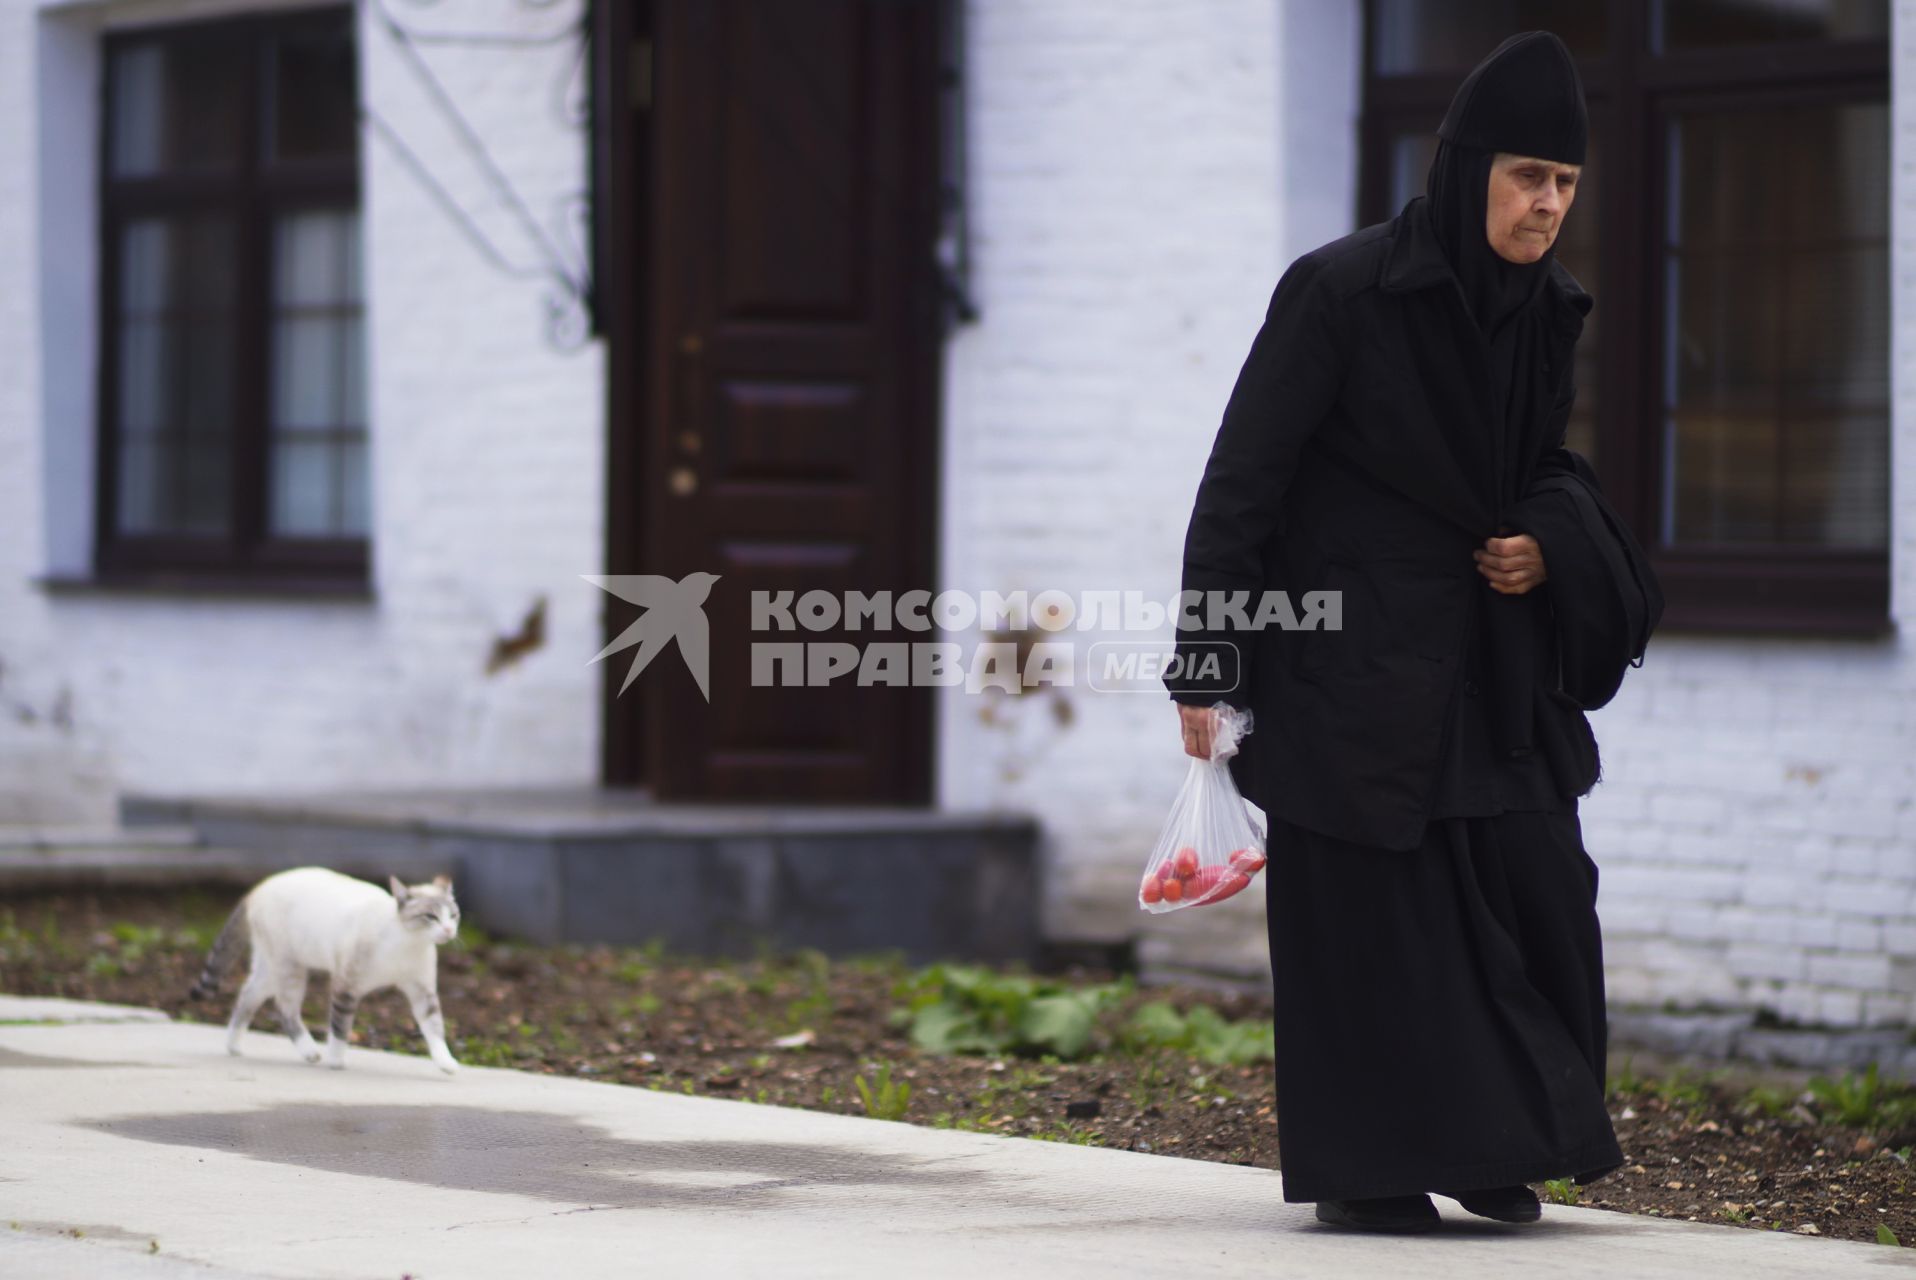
682 480
690 392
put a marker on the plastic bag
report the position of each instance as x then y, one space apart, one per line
1209 849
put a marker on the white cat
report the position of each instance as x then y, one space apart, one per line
312 918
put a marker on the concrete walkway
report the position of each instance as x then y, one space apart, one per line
171 1158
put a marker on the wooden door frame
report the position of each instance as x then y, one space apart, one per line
624 249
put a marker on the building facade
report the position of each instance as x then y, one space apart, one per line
345 340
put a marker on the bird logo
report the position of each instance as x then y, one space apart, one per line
673 611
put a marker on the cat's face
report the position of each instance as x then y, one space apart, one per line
428 907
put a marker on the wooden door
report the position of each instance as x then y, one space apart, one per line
782 418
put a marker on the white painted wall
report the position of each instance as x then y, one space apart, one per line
1755 827
1135 194
1140 174
487 469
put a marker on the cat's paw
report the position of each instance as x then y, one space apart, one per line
336 1064
310 1054
450 1067
234 1049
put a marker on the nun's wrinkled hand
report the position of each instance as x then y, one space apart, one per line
1511 565
1197 725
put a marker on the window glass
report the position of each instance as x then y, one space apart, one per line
1444 35
176 106
176 331
1698 24
318 379
311 95
1776 348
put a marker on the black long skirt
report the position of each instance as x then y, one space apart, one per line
1440 1012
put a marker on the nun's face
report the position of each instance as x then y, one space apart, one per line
1528 200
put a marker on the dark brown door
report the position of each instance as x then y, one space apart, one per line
783 418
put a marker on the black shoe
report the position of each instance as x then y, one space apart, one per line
1505 1204
1384 1213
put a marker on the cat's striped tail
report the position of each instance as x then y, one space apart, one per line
226 949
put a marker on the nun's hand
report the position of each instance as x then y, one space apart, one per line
1197 725
1511 565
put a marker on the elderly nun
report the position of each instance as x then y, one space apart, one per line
1396 436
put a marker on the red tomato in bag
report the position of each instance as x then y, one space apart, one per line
1249 861
1215 884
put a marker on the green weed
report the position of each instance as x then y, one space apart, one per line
1625 1080
1766 1100
1068 1133
1864 1101
1682 1088
1204 1033
967 1009
884 1098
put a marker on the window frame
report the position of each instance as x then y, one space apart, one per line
1632 91
253 194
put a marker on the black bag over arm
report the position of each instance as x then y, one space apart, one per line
1605 595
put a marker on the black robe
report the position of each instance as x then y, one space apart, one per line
1437 963
1440 1012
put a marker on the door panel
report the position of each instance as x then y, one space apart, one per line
791 435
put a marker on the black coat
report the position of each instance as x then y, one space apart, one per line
1334 469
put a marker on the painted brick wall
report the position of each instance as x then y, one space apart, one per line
486 473
1138 180
1132 212
1755 829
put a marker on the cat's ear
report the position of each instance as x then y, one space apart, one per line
443 881
400 893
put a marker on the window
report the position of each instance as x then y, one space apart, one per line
233 388
1733 378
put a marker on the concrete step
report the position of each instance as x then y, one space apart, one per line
156 836
605 865
60 867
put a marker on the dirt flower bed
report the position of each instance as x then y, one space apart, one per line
1078 1057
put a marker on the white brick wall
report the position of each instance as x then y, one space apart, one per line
1132 209
487 475
1755 828
1140 174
